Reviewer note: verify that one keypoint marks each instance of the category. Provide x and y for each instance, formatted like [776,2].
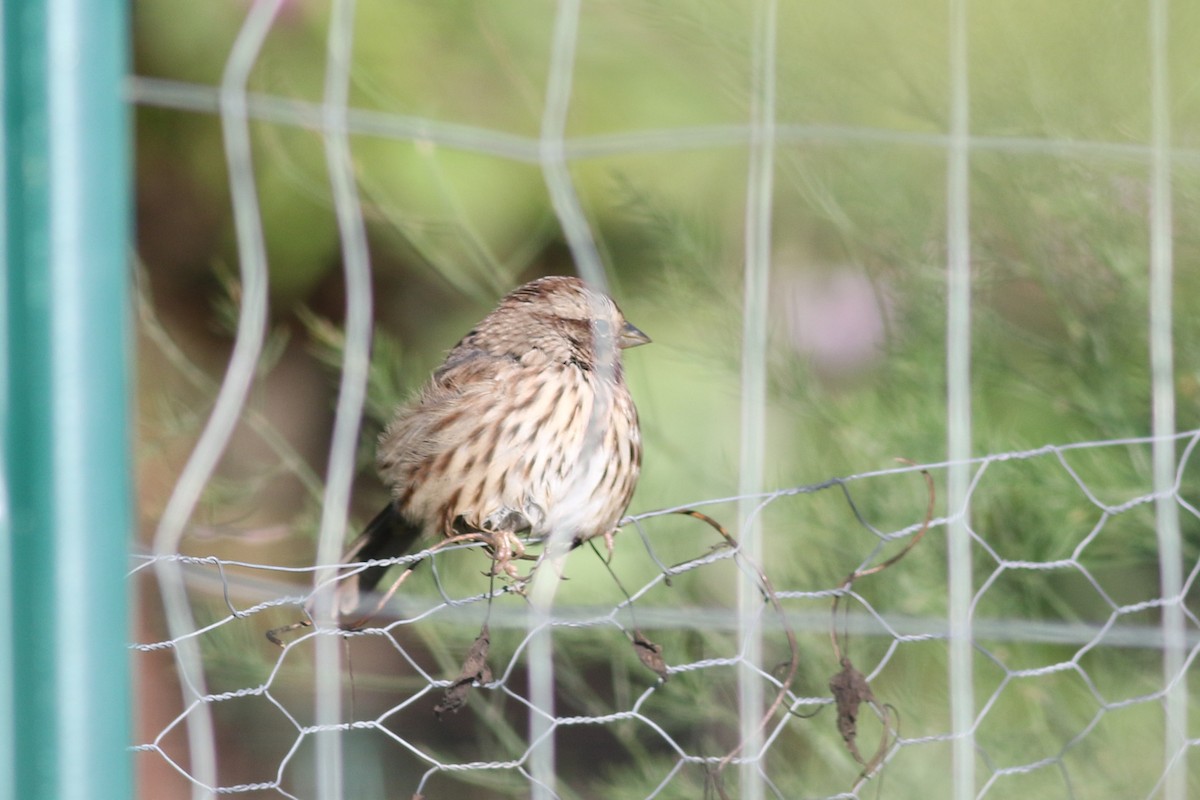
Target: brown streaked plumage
[527,426]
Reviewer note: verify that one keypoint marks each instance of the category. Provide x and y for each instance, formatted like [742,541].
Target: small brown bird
[527,426]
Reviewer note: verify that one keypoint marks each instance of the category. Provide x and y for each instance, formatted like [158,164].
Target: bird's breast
[554,448]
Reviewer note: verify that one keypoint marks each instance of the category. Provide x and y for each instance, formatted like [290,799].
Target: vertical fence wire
[958,407]
[351,393]
[1162,375]
[569,212]
[759,195]
[251,333]
[552,147]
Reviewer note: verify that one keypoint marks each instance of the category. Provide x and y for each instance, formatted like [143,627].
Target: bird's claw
[507,548]
[609,546]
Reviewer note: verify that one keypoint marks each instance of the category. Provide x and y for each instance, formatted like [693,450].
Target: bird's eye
[602,328]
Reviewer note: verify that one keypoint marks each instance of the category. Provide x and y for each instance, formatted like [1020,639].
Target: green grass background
[1059,352]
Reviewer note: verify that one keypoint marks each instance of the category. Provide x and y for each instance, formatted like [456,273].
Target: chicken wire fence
[969,626]
[648,716]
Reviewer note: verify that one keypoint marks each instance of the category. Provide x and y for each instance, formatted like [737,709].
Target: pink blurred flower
[837,318]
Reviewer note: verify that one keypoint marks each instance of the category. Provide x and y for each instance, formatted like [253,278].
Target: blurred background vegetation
[1059,248]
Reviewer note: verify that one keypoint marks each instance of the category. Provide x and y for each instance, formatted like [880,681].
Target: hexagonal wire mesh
[1021,646]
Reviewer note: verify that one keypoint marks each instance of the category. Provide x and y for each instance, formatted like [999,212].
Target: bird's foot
[507,548]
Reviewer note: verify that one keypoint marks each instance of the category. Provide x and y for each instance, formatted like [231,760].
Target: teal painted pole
[65,494]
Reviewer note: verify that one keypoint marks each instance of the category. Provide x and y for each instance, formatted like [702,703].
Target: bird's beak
[631,337]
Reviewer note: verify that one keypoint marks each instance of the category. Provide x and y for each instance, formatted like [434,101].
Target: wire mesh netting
[1056,694]
[867,243]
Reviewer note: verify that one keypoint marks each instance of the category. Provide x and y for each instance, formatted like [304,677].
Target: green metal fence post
[65,494]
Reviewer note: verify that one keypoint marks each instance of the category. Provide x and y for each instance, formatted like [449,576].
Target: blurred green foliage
[1060,254]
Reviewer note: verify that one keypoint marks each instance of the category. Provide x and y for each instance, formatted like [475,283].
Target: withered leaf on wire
[474,669]
[650,654]
[850,689]
[849,686]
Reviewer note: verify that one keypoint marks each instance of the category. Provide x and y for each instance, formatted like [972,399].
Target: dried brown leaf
[650,654]
[850,690]
[474,670]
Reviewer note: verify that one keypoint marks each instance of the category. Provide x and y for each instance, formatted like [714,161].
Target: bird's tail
[388,535]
